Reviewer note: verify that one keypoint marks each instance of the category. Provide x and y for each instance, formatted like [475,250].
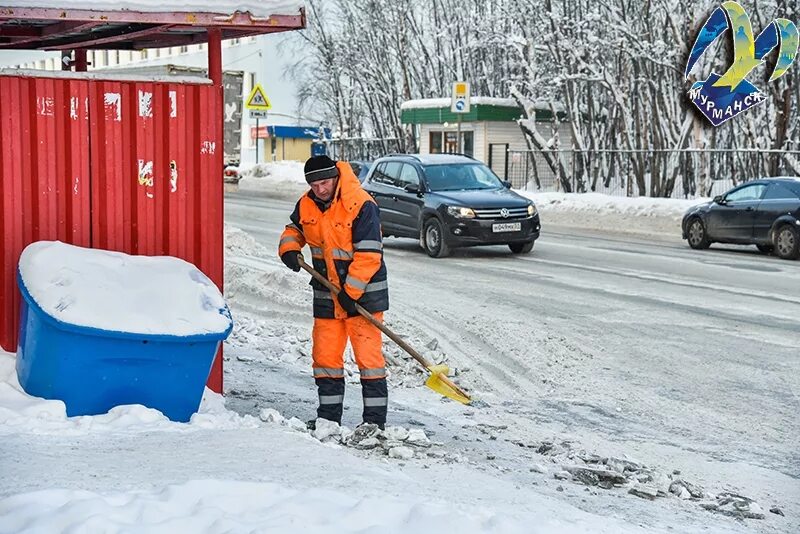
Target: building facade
[488,132]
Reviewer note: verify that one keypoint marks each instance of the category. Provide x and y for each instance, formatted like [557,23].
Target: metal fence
[363,148]
[658,173]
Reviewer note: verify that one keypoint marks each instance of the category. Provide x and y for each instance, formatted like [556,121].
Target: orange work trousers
[330,339]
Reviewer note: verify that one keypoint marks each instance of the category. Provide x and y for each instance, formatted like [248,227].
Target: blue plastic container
[92,370]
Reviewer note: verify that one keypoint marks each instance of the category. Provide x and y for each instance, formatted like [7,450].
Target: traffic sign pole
[459,104]
[258,103]
[458,136]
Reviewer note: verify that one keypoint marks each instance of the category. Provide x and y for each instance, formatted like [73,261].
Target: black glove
[292,260]
[347,303]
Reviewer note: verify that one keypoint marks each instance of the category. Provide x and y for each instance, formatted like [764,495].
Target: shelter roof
[134,25]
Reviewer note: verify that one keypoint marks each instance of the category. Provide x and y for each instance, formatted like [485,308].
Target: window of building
[467,143]
[184,49]
[435,143]
[143,54]
[448,142]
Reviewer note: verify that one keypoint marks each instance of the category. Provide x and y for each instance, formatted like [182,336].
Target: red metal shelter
[118,163]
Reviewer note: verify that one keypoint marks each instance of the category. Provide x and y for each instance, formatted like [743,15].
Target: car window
[794,186]
[778,191]
[380,176]
[460,176]
[749,192]
[392,173]
[408,176]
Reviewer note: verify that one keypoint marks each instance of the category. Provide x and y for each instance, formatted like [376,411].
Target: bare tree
[611,72]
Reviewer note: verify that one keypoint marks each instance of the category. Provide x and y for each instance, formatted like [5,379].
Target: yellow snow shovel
[437,381]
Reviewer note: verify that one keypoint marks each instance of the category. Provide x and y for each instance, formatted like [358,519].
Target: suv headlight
[460,213]
[531,210]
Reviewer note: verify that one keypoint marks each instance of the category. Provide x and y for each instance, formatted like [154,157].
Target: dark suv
[448,200]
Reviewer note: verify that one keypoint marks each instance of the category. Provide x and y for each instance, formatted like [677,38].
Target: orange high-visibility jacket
[346,245]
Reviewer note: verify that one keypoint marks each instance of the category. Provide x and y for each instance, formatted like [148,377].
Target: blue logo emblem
[721,98]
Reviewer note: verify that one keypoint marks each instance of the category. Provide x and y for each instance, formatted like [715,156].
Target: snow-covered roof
[428,103]
[259,8]
[118,292]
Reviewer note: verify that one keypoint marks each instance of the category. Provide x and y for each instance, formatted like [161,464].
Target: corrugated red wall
[117,165]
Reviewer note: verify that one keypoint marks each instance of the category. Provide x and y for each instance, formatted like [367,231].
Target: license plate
[507,227]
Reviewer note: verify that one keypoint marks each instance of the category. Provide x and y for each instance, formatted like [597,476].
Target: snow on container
[101,329]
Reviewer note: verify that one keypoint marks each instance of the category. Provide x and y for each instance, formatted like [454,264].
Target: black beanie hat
[320,168]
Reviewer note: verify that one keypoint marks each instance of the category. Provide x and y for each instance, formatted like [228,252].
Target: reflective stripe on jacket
[346,246]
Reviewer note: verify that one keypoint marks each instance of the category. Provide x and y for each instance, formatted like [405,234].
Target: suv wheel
[435,245]
[696,234]
[521,248]
[787,242]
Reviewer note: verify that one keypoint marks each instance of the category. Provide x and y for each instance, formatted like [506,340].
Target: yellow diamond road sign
[258,99]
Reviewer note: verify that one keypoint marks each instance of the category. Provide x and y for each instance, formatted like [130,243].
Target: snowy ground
[280,179]
[602,365]
[595,349]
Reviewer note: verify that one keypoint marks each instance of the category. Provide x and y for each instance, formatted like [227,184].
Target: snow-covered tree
[612,70]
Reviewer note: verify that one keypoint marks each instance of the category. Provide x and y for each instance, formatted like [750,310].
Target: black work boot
[376,399]
[331,398]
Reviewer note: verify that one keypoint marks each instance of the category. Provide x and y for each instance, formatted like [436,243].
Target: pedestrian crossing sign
[258,99]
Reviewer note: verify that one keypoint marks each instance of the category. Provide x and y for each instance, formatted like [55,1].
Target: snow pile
[642,215]
[280,178]
[263,8]
[19,412]
[598,203]
[230,506]
[240,243]
[256,279]
[118,292]
[395,442]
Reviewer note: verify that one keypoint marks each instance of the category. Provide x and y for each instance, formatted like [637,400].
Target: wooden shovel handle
[379,324]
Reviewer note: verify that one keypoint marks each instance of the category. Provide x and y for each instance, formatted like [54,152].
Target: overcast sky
[15,57]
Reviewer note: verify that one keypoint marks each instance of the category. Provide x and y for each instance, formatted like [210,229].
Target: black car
[360,169]
[448,200]
[764,213]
